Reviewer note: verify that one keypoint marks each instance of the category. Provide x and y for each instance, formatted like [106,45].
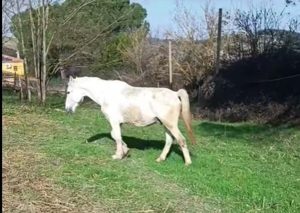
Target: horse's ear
[71,78]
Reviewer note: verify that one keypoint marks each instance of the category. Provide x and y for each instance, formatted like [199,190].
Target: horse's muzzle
[69,110]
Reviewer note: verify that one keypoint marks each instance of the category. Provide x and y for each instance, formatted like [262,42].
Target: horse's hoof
[159,159]
[125,152]
[188,163]
[117,157]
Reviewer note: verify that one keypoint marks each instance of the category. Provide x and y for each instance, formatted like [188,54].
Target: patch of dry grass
[25,188]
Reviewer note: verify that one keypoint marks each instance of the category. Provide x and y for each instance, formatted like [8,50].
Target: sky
[160,13]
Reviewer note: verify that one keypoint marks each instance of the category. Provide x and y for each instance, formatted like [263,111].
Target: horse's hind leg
[181,141]
[169,118]
[122,149]
[169,141]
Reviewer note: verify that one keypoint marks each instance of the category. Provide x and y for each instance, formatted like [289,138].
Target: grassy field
[49,167]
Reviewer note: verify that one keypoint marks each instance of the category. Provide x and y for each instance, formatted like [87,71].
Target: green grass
[241,167]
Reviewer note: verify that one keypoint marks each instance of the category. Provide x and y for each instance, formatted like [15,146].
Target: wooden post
[219,41]
[170,65]
[21,88]
[15,81]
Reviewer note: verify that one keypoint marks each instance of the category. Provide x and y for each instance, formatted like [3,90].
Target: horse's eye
[68,92]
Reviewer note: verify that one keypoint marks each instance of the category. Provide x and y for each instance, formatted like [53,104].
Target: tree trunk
[35,51]
[24,52]
[44,52]
[28,92]
[39,47]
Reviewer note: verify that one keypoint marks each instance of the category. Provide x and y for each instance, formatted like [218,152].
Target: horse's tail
[186,113]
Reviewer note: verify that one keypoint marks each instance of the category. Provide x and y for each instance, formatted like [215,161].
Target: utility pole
[219,41]
[170,65]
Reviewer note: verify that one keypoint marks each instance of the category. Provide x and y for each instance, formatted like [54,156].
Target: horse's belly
[138,116]
[144,122]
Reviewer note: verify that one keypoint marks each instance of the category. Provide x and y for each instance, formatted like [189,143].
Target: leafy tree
[92,36]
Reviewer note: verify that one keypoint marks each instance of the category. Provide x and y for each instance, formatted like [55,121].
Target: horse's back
[145,95]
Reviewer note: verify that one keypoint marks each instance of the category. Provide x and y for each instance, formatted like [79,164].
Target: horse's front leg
[122,149]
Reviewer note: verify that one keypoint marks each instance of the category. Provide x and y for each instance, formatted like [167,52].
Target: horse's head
[75,95]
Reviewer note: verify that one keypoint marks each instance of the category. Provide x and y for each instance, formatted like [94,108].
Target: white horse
[122,103]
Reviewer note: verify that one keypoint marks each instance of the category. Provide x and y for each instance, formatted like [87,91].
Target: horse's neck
[102,90]
[95,90]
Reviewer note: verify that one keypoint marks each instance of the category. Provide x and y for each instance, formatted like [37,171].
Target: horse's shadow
[137,143]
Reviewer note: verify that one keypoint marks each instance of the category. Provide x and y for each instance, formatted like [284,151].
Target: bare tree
[195,42]
[35,35]
[42,38]
[134,52]
[262,29]
[42,41]
[13,8]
